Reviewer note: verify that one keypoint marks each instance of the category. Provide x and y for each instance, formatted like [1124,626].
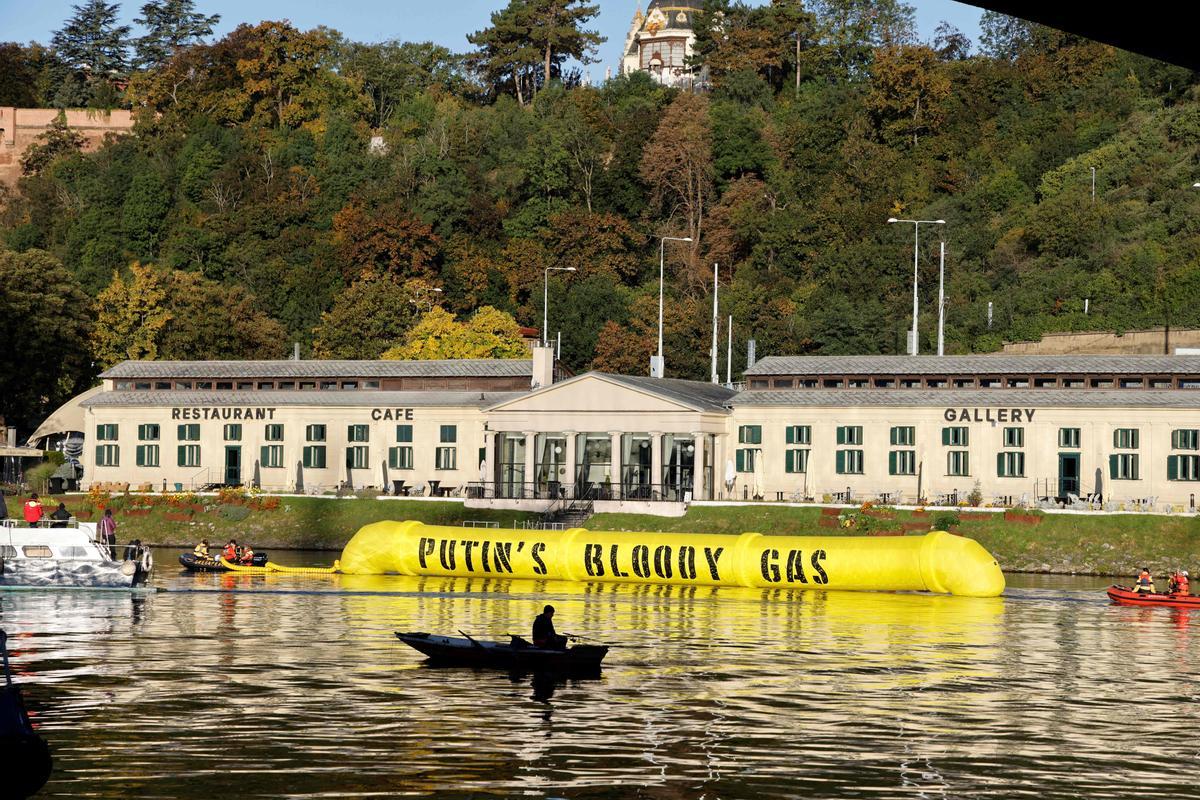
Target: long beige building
[520,434]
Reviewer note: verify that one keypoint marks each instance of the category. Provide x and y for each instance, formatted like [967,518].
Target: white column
[489,456]
[656,471]
[615,478]
[698,492]
[569,479]
[530,441]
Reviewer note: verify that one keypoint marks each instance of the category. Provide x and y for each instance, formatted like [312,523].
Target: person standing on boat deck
[543,631]
[33,510]
[60,516]
[106,529]
[1145,583]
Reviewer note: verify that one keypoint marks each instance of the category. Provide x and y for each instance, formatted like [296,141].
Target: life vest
[1181,585]
[229,553]
[201,550]
[247,556]
[1144,582]
[33,511]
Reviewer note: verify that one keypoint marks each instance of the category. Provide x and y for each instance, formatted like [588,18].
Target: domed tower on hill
[660,41]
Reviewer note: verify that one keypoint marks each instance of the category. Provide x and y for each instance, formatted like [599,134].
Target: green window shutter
[790,438]
[1175,438]
[841,461]
[892,457]
[1172,468]
[1135,467]
[1112,466]
[1134,434]
[741,460]
[946,437]
[99,454]
[1000,465]
[841,438]
[1117,438]
[756,433]
[182,455]
[789,460]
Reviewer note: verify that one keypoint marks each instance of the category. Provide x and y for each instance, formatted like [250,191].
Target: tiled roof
[975,365]
[701,395]
[461,368]
[357,399]
[964,398]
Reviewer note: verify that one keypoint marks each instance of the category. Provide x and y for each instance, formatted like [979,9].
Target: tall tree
[17,76]
[393,72]
[370,316]
[385,239]
[556,27]
[506,52]
[908,89]
[171,25]
[131,315]
[489,333]
[44,323]
[95,49]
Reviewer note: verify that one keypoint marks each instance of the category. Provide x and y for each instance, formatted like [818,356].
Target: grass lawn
[1117,544]
[299,522]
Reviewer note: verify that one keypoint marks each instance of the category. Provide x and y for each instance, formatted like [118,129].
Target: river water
[230,686]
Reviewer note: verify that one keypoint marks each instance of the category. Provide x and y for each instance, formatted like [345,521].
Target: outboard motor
[132,550]
[25,762]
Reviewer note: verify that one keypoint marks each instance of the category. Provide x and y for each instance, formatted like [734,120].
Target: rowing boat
[517,655]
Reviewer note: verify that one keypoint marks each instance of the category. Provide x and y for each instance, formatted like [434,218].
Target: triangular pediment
[594,392]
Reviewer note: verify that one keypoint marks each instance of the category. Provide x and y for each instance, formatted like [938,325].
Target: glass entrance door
[233,465]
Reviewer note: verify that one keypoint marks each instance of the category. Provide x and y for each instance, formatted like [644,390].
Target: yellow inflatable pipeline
[935,562]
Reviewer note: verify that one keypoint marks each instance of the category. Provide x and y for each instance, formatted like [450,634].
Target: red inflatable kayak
[1128,597]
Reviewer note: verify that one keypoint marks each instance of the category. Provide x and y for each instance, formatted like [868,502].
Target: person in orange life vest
[33,510]
[1145,583]
[247,555]
[230,551]
[1179,583]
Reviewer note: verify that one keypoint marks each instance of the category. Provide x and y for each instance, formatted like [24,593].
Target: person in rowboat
[201,550]
[1144,583]
[544,635]
[247,555]
[1178,584]
[230,551]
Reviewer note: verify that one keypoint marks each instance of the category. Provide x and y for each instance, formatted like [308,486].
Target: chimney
[295,351]
[543,366]
[751,348]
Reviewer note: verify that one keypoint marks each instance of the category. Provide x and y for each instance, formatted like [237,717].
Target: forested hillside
[259,213]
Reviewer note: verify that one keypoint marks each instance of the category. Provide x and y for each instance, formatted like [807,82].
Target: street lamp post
[657,365]
[546,301]
[913,347]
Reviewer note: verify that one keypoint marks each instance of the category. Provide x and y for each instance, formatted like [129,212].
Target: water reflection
[269,686]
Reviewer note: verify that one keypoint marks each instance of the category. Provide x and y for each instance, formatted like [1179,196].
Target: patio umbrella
[730,475]
[383,471]
[1099,482]
[758,474]
[256,481]
[299,477]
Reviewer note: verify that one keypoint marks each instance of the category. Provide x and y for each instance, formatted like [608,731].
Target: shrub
[975,498]
[945,520]
[235,513]
[38,477]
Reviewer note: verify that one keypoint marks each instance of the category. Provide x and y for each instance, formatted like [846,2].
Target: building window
[1069,437]
[958,463]
[147,455]
[271,456]
[233,432]
[1014,437]
[1183,468]
[849,434]
[148,433]
[188,433]
[750,434]
[204,385]
[274,433]
[358,433]
[370,384]
[904,436]
[357,457]
[328,385]
[850,462]
[314,456]
[349,384]
[306,386]
[400,457]
[107,433]
[795,461]
[185,385]
[224,386]
[448,435]
[1185,439]
[189,455]
[1123,466]
[266,386]
[799,434]
[245,386]
[314,433]
[1125,438]
[142,386]
[1010,465]
[902,462]
[744,459]
[404,433]
[956,437]
[108,455]
[446,458]
[287,386]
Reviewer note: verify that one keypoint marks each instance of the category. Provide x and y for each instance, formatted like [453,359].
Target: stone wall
[1144,342]
[20,127]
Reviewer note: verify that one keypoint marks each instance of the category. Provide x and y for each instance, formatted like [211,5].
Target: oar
[469,639]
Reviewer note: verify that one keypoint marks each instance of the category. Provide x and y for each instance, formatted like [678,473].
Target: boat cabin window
[7,551]
[73,551]
[37,551]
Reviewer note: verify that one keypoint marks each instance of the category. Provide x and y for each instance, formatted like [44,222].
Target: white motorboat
[68,556]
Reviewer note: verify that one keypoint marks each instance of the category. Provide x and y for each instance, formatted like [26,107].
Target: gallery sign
[989,414]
